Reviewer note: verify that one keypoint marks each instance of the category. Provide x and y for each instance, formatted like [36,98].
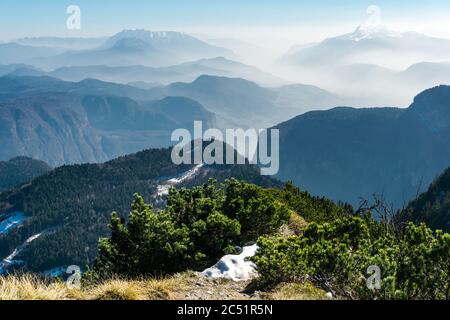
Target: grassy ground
[187,285]
[29,287]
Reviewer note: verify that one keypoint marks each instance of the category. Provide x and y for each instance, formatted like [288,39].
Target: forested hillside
[19,170]
[349,153]
[70,207]
[432,206]
[63,122]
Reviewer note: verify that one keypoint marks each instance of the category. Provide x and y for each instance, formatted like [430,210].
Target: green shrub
[317,209]
[257,210]
[336,256]
[198,226]
[150,243]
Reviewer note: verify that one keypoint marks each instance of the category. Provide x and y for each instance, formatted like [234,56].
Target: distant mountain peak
[131,44]
[441,92]
[209,80]
[159,48]
[145,36]
[363,32]
[433,108]
[148,34]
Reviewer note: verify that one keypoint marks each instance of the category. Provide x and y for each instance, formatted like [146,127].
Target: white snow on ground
[9,260]
[234,267]
[163,189]
[16,251]
[14,220]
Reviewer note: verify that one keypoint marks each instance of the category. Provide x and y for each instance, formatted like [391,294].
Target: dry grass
[295,225]
[117,290]
[29,287]
[180,286]
[296,291]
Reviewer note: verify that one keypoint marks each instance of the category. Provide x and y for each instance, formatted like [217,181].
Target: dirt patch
[198,287]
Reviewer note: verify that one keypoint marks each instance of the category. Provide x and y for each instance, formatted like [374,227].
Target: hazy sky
[258,20]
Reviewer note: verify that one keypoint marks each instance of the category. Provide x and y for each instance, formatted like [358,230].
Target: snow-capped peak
[146,36]
[370,32]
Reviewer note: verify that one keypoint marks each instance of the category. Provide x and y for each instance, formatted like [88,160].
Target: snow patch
[234,267]
[163,189]
[371,32]
[10,260]
[14,220]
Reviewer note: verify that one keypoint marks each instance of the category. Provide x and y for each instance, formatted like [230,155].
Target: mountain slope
[93,121]
[371,45]
[64,43]
[347,153]
[370,61]
[12,68]
[48,127]
[19,170]
[14,53]
[368,80]
[184,72]
[139,47]
[18,86]
[242,103]
[433,206]
[90,121]
[230,98]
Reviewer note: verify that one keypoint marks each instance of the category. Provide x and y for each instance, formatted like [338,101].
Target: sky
[285,21]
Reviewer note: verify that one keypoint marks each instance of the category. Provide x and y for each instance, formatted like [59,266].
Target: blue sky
[311,19]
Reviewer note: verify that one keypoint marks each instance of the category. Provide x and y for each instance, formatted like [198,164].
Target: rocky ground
[199,287]
[196,286]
